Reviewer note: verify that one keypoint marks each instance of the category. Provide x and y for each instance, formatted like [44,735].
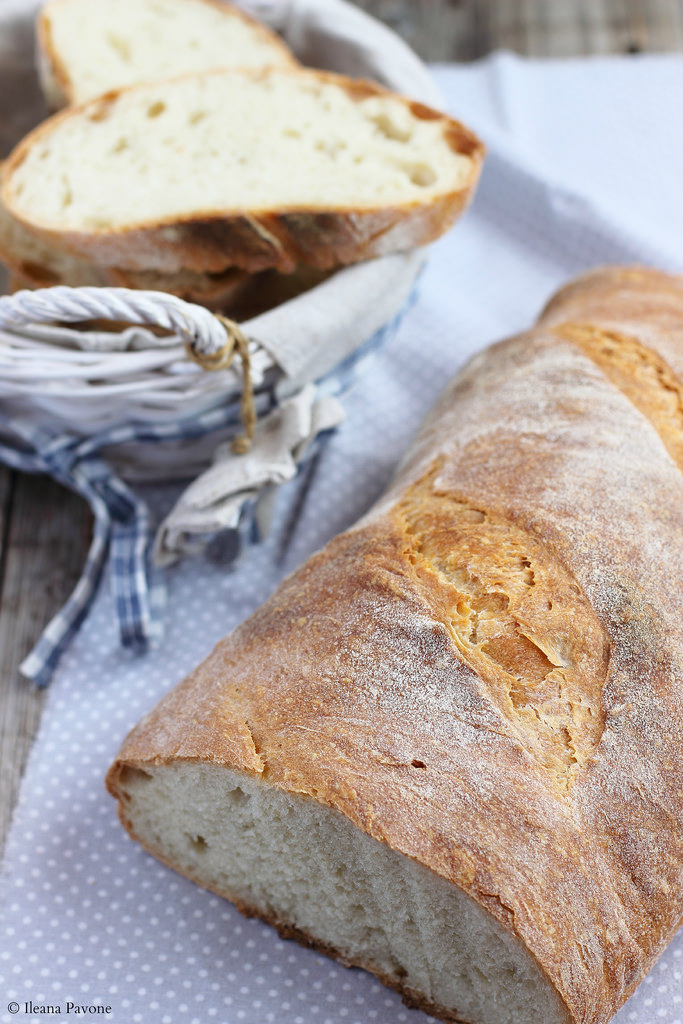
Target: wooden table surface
[45,530]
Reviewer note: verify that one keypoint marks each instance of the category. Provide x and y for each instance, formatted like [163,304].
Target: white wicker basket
[83,382]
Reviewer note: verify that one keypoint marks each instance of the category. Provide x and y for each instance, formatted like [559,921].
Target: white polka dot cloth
[88,918]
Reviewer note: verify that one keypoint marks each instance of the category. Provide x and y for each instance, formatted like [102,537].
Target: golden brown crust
[278,239]
[363,683]
[56,81]
[322,240]
[215,291]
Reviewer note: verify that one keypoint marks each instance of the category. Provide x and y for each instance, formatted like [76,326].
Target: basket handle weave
[197,327]
[211,341]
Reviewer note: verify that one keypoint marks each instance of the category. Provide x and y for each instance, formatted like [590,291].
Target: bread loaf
[467,710]
[254,170]
[87,47]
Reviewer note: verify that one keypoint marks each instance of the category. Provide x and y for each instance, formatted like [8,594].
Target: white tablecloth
[585,167]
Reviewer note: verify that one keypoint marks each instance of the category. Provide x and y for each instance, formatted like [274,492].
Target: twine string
[236,344]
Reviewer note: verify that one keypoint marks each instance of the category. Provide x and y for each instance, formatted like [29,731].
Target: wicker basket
[84,382]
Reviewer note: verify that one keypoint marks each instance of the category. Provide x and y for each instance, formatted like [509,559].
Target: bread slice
[252,169]
[34,263]
[449,748]
[87,47]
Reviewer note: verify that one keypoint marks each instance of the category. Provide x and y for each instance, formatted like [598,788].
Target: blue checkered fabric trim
[121,531]
[121,528]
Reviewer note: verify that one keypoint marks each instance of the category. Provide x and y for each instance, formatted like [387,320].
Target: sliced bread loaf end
[88,47]
[253,169]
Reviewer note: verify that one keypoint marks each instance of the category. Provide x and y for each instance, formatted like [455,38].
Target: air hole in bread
[198,843]
[331,148]
[389,129]
[155,109]
[237,796]
[417,763]
[67,194]
[99,113]
[421,174]
[120,45]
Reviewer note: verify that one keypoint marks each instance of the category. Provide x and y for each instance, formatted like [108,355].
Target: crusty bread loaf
[87,47]
[467,710]
[252,169]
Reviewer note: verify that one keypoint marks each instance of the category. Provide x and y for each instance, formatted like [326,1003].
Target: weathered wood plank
[6,482]
[445,30]
[46,531]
